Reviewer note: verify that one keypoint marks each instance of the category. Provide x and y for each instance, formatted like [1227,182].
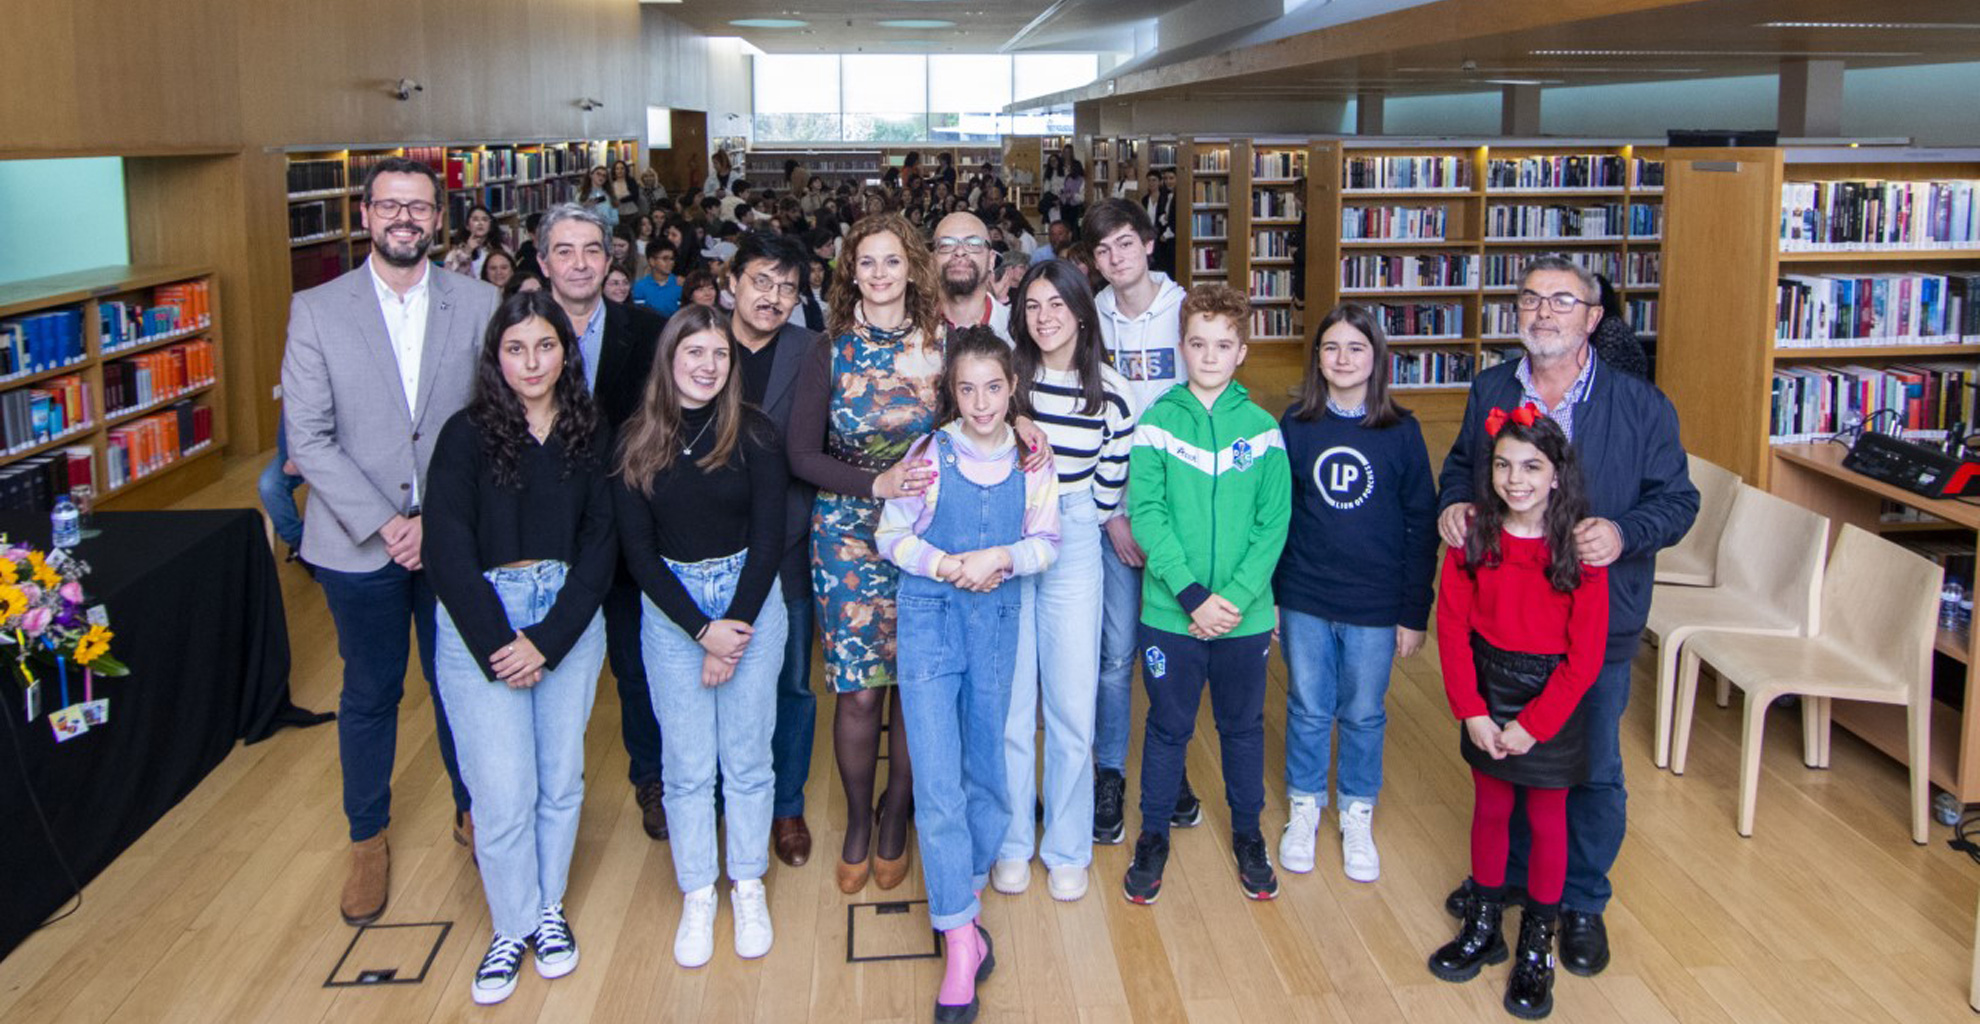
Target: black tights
[856,741]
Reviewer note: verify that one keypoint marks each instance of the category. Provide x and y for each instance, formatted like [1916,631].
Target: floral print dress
[883,399]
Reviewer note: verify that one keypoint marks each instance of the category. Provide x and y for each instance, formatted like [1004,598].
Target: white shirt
[405,324]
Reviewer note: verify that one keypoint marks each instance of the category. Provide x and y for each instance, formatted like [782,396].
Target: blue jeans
[797,709]
[522,751]
[638,729]
[729,726]
[1339,676]
[1114,710]
[1058,654]
[371,611]
[1176,668]
[957,653]
[1598,809]
[278,491]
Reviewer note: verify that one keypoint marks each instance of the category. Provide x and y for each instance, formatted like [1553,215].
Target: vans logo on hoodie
[1149,364]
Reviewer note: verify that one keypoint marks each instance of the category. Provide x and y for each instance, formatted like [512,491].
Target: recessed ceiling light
[768,23]
[1723,53]
[1902,26]
[1522,81]
[916,23]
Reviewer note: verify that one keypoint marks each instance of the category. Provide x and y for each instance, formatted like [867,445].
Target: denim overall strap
[970,516]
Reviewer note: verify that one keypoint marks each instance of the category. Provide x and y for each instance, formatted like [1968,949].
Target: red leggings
[1491,816]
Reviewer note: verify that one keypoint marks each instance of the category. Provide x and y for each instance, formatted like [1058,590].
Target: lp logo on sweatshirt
[1343,477]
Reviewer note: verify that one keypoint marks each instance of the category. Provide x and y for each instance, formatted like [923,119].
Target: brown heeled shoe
[889,873]
[852,877]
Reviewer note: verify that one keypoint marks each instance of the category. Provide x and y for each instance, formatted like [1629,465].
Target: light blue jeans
[521,751]
[1114,708]
[1338,678]
[1058,646]
[704,726]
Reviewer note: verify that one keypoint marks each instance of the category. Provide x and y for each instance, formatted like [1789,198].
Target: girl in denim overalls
[981,522]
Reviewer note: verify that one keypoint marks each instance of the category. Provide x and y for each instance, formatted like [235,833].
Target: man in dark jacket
[1641,500]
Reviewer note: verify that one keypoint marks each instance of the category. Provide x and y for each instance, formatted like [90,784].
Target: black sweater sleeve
[811,408]
[1419,504]
[767,490]
[447,543]
[594,556]
[639,541]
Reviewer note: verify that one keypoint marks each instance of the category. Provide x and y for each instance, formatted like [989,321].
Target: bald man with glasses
[964,259]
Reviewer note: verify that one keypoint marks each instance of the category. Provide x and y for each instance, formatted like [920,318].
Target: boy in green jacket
[1209,499]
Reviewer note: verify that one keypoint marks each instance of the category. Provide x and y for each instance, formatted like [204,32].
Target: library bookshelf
[512,179]
[765,164]
[136,458]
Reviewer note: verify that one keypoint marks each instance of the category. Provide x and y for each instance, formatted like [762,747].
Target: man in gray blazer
[764,279]
[376,362]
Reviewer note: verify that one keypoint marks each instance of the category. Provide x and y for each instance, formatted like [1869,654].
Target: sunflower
[93,644]
[12,602]
[47,578]
[10,572]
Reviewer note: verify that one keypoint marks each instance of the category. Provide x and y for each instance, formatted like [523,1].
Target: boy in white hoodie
[1140,325]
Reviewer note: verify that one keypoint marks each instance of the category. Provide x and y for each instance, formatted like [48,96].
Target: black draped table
[197,610]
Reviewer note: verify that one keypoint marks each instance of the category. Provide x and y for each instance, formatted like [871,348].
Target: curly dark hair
[1567,506]
[496,412]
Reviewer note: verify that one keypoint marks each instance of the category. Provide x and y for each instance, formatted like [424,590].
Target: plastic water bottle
[65,523]
[1946,808]
[1949,598]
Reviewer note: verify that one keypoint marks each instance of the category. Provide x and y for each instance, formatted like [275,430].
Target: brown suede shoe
[792,840]
[652,812]
[464,829]
[369,883]
[890,873]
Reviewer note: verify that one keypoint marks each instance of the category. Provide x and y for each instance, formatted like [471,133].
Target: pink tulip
[36,620]
[72,592]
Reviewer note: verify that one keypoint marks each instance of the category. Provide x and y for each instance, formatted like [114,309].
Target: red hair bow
[1526,415]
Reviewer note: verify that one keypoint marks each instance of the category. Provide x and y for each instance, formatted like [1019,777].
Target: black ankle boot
[1530,989]
[1480,939]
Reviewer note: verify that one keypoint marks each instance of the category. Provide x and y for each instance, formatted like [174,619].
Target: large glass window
[797,98]
[967,94]
[886,97]
[858,97]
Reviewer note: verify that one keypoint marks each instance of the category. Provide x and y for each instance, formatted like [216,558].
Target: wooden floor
[226,910]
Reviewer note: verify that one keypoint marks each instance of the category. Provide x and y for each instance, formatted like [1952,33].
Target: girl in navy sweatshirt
[1354,583]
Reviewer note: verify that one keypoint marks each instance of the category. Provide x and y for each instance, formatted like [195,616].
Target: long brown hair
[923,310]
[1381,405]
[1567,506]
[654,433]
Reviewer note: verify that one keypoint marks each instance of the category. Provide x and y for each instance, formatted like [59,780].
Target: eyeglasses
[1559,302]
[948,244]
[766,283]
[389,208]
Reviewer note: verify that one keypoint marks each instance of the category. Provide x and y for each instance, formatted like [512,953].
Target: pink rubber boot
[970,962]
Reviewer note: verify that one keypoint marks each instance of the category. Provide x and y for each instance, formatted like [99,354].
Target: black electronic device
[1722,137]
[1917,468]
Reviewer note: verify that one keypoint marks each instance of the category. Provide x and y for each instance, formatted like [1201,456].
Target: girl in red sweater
[1521,625]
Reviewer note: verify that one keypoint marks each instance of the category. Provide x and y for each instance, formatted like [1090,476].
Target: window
[858,97]
[966,97]
[797,97]
[885,97]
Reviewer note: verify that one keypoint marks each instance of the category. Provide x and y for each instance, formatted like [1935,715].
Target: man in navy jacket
[1641,499]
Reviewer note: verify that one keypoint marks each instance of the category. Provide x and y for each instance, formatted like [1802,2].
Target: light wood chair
[1694,560]
[1879,649]
[1769,572]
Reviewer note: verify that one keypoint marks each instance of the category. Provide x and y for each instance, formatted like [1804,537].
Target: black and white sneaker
[496,978]
[1143,883]
[1189,810]
[1254,866]
[1109,790]
[556,947]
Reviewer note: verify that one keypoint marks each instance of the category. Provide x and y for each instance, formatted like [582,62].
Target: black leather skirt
[1508,680]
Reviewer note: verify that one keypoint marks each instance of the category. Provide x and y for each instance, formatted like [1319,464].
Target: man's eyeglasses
[1559,302]
[948,244]
[766,283]
[389,208]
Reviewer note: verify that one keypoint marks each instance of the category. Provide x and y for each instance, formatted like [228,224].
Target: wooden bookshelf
[1719,347]
[85,292]
[1211,229]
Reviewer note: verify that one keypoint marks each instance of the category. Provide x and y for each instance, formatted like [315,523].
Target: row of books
[1578,170]
[1498,318]
[1504,269]
[1649,173]
[1397,223]
[35,415]
[1848,216]
[40,341]
[156,376]
[499,198]
[1428,270]
[1419,319]
[1598,221]
[173,308]
[1272,244]
[315,175]
[1214,161]
[1810,403]
[1823,310]
[1161,154]
[144,446]
[1204,259]
[1271,284]
[362,163]
[1208,225]
[1273,322]
[1396,173]
[1646,269]
[1279,163]
[1642,315]
[1216,191]
[33,483]
[537,198]
[1276,204]
[308,220]
[1430,367]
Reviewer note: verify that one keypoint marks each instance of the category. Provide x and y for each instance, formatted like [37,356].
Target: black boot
[1454,903]
[1584,943]
[1480,939]
[1530,989]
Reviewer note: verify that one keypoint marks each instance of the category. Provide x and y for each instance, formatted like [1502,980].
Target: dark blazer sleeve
[594,556]
[1667,501]
[768,488]
[1419,506]
[632,336]
[447,543]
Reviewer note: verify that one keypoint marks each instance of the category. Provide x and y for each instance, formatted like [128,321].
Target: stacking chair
[1881,651]
[1694,560]
[1768,572]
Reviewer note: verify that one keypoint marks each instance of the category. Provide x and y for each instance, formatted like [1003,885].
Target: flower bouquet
[42,615]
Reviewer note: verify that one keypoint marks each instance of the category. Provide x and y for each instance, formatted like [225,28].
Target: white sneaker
[1067,882]
[1011,877]
[1358,854]
[694,940]
[751,905]
[1296,843]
